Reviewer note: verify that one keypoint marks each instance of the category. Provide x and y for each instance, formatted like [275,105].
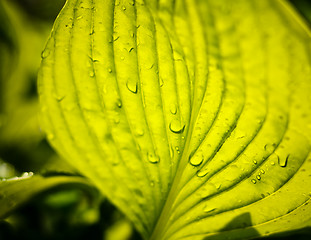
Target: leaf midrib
[164,214]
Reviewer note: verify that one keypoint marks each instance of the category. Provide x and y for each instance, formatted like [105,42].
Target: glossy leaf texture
[191,116]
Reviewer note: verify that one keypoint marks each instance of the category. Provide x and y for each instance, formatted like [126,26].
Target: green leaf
[191,116]
[18,190]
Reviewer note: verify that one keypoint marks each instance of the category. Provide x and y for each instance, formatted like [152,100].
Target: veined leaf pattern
[186,114]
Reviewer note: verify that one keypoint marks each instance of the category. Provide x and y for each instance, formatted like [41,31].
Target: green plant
[191,116]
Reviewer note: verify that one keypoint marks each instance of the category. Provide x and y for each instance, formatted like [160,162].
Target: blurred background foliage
[67,212]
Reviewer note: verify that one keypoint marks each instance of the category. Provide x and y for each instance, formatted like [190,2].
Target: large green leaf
[192,116]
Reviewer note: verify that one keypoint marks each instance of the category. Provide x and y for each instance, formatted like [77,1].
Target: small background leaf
[18,190]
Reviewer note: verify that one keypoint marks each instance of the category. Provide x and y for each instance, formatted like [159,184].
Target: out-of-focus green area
[304,7]
[63,213]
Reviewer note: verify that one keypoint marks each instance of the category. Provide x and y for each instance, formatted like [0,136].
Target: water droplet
[262,171]
[258,177]
[119,103]
[91,73]
[254,181]
[59,98]
[176,126]
[153,158]
[208,209]
[150,67]
[161,81]
[115,38]
[202,172]
[26,175]
[177,150]
[122,58]
[132,2]
[255,162]
[45,53]
[139,132]
[123,8]
[109,70]
[197,158]
[132,34]
[269,148]
[173,109]
[283,161]
[138,147]
[132,85]
[272,163]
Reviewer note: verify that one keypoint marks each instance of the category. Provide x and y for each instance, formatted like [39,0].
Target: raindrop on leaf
[139,132]
[132,86]
[283,161]
[197,158]
[161,81]
[269,148]
[173,109]
[152,158]
[45,53]
[208,209]
[91,73]
[119,103]
[176,126]
[202,172]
